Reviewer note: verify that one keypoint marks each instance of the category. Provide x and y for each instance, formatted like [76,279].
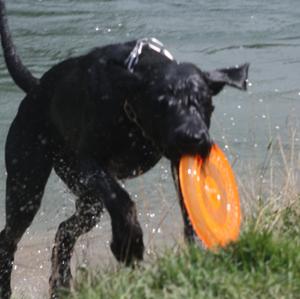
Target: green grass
[264,263]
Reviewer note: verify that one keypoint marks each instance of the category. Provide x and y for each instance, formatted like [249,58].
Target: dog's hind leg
[28,167]
[87,215]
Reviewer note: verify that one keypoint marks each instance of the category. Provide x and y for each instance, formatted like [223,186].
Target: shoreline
[31,270]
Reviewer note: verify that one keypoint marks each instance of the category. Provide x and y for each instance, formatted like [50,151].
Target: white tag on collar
[153,43]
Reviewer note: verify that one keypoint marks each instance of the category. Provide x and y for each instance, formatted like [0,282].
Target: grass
[261,265]
[264,263]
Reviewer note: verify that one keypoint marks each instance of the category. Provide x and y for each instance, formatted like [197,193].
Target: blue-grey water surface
[211,34]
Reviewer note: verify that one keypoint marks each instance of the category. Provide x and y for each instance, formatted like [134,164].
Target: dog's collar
[153,43]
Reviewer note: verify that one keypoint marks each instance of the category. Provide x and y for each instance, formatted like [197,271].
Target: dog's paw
[127,244]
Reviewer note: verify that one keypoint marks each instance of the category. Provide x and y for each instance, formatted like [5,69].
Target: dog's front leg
[127,237]
[87,215]
[188,231]
[95,187]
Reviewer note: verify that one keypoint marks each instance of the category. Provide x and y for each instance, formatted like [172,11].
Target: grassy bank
[263,264]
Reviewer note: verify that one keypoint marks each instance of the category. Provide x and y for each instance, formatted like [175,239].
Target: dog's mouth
[175,151]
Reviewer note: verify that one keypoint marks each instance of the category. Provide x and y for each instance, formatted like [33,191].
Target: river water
[211,34]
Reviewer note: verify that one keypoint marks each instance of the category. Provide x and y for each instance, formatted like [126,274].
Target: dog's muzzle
[185,142]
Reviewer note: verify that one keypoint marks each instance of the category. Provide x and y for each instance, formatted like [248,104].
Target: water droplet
[165,175]
[152,215]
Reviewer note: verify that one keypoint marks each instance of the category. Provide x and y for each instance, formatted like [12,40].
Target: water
[211,34]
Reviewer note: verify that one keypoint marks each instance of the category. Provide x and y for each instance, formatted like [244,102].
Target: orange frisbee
[210,196]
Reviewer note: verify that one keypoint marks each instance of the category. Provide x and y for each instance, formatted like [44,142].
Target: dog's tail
[20,74]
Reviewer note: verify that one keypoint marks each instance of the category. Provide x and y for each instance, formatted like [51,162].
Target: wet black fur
[94,122]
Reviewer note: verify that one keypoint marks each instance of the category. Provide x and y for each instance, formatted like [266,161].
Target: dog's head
[174,107]
[173,104]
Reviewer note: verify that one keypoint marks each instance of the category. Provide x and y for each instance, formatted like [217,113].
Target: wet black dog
[108,115]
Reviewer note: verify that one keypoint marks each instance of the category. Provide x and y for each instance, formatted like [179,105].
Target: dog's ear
[233,76]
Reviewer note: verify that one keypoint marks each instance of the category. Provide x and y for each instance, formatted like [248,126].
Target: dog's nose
[205,147]
[199,142]
[184,141]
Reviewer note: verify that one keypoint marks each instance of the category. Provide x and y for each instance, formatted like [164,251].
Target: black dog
[108,115]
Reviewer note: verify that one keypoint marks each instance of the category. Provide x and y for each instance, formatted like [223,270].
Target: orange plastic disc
[210,196]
